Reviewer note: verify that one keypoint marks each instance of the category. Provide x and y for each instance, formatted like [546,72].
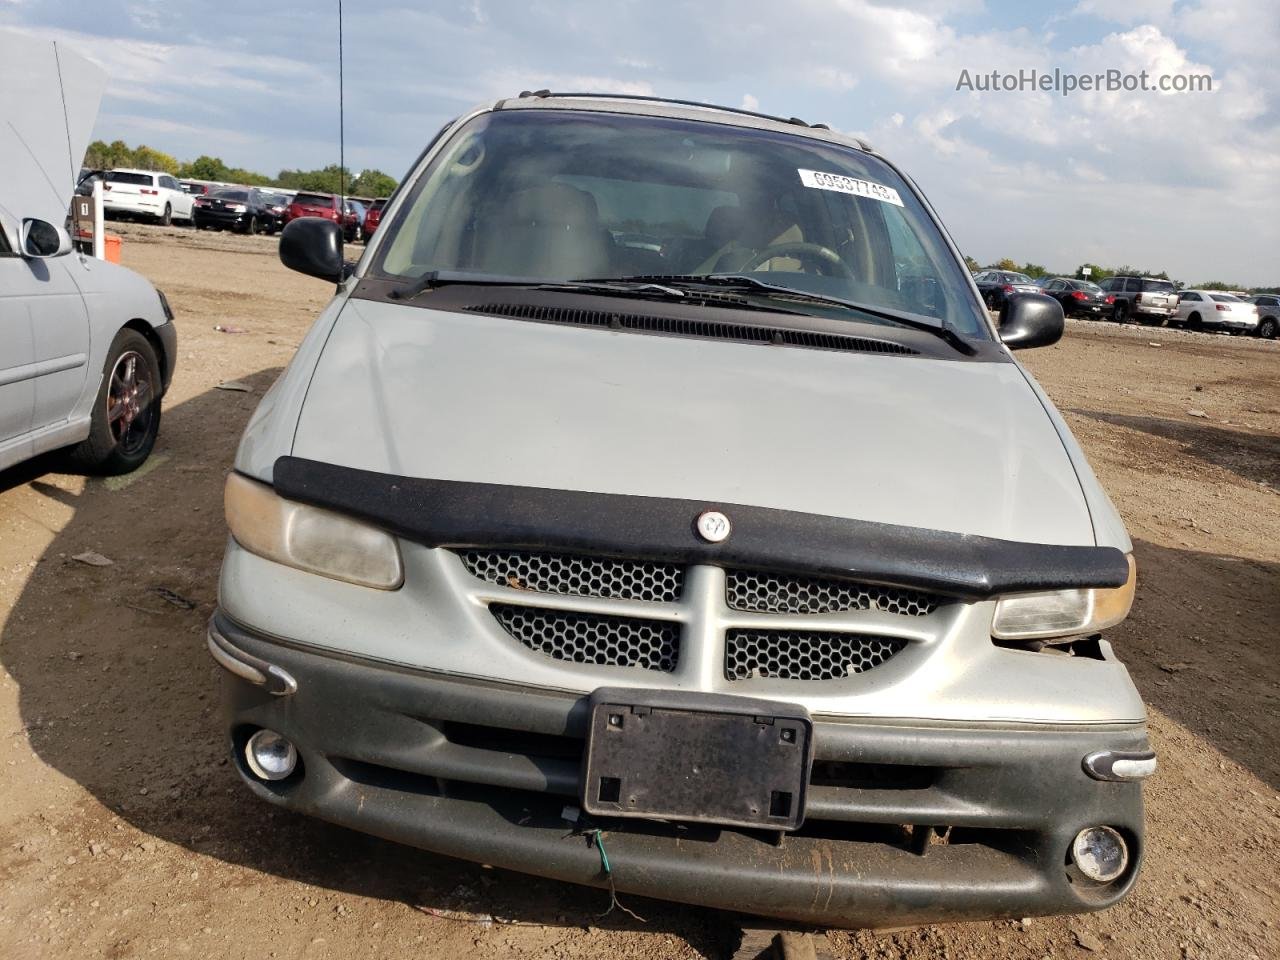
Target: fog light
[271,757]
[1100,853]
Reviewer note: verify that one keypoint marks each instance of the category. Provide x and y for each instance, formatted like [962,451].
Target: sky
[1184,182]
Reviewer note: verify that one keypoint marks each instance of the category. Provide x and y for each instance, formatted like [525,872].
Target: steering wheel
[824,258]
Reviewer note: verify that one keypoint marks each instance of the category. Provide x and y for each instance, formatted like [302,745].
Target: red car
[324,205]
[373,218]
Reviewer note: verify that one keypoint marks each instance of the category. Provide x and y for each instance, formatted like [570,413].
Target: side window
[1108,284]
[1053,285]
[1132,285]
[4,244]
[1190,296]
[980,277]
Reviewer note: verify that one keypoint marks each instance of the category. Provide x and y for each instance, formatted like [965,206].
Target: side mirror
[1031,320]
[313,245]
[41,240]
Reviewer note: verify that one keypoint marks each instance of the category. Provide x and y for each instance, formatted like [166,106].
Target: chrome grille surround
[687,621]
[784,593]
[579,576]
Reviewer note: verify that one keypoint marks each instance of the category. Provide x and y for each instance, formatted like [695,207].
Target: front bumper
[224,219]
[484,772]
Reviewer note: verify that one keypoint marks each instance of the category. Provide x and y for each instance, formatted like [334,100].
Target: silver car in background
[657,483]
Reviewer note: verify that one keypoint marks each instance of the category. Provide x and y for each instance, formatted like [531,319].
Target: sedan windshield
[554,196]
[239,195]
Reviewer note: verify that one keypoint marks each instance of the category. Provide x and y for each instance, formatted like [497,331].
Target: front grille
[780,593]
[577,576]
[803,654]
[592,638]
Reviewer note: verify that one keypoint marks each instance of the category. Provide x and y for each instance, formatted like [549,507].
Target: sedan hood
[937,444]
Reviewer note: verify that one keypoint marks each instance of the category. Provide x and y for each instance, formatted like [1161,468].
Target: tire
[166,218]
[1193,322]
[251,228]
[1120,312]
[131,378]
[1267,328]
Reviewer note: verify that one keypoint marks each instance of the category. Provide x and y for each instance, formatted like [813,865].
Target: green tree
[372,183]
[145,158]
[1032,270]
[205,167]
[972,264]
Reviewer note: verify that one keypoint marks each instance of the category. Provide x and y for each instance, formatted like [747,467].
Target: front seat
[737,234]
[552,230]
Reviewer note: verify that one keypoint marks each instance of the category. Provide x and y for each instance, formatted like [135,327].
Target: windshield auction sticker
[842,184]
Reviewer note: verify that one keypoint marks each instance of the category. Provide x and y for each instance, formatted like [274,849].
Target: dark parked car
[373,218]
[1079,297]
[353,214]
[233,208]
[1268,305]
[996,285]
[277,204]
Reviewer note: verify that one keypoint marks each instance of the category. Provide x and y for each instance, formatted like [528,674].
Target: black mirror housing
[313,245]
[1031,320]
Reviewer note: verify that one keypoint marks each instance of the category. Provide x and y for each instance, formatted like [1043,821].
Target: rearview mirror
[1031,320]
[313,245]
[41,240]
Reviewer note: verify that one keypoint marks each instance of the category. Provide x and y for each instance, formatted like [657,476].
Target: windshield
[557,195]
[314,199]
[1224,298]
[1086,286]
[1158,286]
[241,195]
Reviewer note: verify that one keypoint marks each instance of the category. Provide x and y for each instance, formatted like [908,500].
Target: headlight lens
[309,538]
[1063,613]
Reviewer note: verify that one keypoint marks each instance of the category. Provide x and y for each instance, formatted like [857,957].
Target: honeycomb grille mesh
[592,638]
[803,654]
[780,593]
[577,576]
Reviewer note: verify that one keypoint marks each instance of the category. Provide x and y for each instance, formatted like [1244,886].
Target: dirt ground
[124,832]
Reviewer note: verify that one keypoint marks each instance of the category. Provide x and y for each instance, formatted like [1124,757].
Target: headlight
[1063,613]
[309,538]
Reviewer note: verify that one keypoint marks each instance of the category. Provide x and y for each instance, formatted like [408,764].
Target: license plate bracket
[700,758]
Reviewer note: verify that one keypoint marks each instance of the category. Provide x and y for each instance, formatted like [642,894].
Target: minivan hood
[937,444]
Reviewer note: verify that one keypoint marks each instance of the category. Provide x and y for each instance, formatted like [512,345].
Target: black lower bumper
[904,824]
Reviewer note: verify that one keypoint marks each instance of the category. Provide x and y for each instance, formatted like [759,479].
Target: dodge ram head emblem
[714,526]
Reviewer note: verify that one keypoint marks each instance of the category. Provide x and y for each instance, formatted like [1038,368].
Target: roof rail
[543,94]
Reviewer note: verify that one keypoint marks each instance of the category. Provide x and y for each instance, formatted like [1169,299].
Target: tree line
[1098,273]
[368,183]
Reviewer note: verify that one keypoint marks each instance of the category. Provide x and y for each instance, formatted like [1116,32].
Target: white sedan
[146,193]
[1213,308]
[88,349]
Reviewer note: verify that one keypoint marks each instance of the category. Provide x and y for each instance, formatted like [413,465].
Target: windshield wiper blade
[738,281]
[444,278]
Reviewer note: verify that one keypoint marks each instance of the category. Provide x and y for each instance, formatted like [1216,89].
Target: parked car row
[1147,299]
[161,198]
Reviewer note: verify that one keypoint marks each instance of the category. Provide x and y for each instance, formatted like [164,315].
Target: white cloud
[749,102]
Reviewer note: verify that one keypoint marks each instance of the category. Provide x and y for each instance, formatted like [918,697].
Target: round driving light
[1100,853]
[270,756]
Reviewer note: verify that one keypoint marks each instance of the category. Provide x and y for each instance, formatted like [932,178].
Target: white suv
[145,193]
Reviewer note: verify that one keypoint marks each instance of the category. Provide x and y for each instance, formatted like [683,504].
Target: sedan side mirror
[1031,320]
[41,240]
[313,245]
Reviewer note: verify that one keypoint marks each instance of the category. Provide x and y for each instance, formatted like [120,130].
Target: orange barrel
[111,248]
